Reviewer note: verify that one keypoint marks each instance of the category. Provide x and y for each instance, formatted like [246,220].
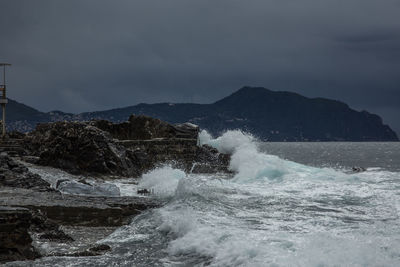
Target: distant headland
[269,115]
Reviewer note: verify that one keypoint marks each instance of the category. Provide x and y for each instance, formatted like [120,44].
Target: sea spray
[162,180]
[229,142]
[273,212]
[251,165]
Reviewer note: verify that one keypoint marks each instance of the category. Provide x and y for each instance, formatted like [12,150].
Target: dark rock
[100,248]
[31,159]
[146,128]
[143,191]
[15,135]
[126,149]
[179,153]
[60,182]
[14,174]
[186,130]
[358,169]
[79,147]
[16,243]
[47,229]
[24,211]
[209,160]
[78,210]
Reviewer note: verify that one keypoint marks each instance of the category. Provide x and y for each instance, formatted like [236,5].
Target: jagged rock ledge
[30,206]
[16,243]
[126,149]
[78,210]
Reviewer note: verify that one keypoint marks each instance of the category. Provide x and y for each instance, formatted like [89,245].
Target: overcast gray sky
[81,55]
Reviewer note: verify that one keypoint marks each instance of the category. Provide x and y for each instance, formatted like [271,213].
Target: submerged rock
[77,188]
[358,169]
[209,160]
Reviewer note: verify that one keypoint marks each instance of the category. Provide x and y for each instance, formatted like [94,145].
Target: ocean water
[289,204]
[339,155]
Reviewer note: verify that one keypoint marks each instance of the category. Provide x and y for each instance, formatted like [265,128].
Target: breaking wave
[272,212]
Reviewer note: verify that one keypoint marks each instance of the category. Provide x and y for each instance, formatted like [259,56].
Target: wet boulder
[79,147]
[210,160]
[77,188]
[356,169]
[16,243]
[15,174]
[125,149]
[145,128]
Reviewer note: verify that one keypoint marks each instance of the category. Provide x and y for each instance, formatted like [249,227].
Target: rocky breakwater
[80,147]
[17,222]
[15,241]
[15,175]
[32,212]
[124,149]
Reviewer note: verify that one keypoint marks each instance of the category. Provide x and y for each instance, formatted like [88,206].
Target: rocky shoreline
[33,211]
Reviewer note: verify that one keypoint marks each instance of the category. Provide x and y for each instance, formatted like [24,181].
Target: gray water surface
[338,155]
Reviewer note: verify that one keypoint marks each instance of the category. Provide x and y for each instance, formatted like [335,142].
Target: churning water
[273,212]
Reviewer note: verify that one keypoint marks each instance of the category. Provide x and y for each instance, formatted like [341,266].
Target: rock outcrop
[32,209]
[125,149]
[15,174]
[16,243]
[209,160]
[77,210]
[25,213]
[146,128]
[79,147]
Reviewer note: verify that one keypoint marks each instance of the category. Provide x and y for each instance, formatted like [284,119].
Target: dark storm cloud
[372,38]
[88,55]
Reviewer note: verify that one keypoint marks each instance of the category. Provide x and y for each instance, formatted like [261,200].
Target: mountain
[269,115]
[23,118]
[19,112]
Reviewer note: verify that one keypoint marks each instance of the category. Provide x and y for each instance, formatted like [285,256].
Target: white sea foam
[229,142]
[251,165]
[71,184]
[277,212]
[273,212]
[163,180]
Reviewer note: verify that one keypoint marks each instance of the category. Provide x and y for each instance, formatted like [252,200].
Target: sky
[87,55]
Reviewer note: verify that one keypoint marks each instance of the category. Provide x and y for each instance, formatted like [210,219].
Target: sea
[287,204]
